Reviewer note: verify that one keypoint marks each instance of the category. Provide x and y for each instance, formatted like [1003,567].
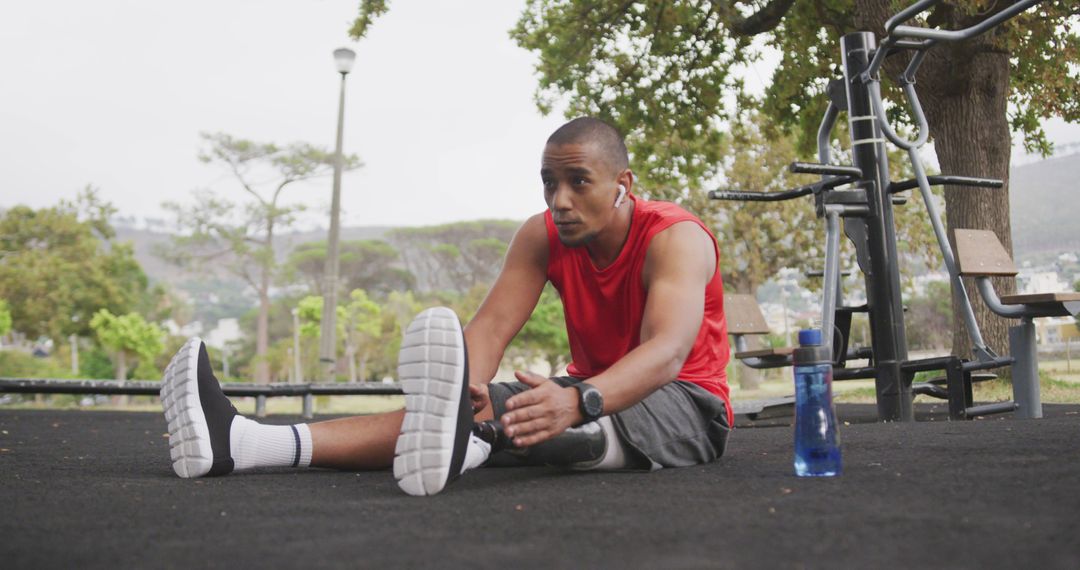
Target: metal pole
[883,293]
[74,340]
[1025,371]
[328,329]
[298,373]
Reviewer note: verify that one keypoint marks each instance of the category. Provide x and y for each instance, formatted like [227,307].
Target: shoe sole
[189,435]
[431,367]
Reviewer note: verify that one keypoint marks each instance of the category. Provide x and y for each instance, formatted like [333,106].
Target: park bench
[981,255]
[744,321]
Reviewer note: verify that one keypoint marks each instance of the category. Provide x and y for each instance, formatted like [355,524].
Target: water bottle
[817,444]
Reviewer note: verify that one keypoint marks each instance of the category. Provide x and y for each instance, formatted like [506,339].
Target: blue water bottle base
[818,463]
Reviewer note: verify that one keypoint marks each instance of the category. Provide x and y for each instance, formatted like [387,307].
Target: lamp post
[298,376]
[327,342]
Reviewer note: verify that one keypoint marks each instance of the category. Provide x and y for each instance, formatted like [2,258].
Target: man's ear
[626,179]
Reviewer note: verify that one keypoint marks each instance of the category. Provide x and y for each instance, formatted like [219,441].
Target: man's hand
[541,413]
[478,394]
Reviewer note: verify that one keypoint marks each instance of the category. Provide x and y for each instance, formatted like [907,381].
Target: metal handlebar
[947,180]
[909,13]
[782,195]
[956,35]
[825,169]
[761,196]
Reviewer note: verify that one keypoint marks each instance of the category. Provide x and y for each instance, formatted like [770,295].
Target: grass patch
[1052,391]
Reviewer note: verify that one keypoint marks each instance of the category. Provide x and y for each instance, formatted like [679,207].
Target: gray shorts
[680,424]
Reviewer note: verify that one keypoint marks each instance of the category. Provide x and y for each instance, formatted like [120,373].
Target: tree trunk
[121,365]
[262,333]
[121,375]
[350,355]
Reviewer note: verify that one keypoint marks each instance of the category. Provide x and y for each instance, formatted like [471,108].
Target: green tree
[240,237]
[668,74]
[362,320]
[5,318]
[59,265]
[360,325]
[372,265]
[128,337]
[928,317]
[543,335]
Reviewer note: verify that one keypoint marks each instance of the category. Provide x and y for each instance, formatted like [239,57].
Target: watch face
[593,402]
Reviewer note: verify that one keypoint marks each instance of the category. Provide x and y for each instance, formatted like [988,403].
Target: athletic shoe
[199,414]
[435,434]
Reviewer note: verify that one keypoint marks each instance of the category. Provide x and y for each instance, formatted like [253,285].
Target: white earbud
[622,194]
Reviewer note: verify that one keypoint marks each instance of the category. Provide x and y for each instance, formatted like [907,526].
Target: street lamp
[344,58]
[298,376]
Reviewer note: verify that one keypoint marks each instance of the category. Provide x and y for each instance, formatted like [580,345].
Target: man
[643,300]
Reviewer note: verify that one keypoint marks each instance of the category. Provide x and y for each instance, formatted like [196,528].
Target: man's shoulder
[531,240]
[660,211]
[660,217]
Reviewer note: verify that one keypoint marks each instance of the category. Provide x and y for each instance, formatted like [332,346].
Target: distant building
[226,331]
[1054,332]
[1040,282]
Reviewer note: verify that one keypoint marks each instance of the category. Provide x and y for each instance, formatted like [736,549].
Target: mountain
[1044,204]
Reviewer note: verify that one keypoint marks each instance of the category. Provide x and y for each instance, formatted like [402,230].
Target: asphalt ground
[95,490]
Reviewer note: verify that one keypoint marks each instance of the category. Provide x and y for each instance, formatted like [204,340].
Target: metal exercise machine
[862,195]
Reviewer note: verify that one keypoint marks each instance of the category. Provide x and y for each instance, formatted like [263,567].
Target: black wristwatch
[592,401]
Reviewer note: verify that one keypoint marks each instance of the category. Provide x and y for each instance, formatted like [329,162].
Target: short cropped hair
[583,130]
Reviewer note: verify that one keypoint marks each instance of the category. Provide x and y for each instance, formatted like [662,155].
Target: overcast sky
[115,93]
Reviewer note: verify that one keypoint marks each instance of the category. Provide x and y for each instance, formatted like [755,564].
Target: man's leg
[357,443]
[208,437]
[591,446]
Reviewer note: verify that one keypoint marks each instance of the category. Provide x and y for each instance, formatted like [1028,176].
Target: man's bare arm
[509,302]
[679,264]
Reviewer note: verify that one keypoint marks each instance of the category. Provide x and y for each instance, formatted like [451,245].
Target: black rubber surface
[95,490]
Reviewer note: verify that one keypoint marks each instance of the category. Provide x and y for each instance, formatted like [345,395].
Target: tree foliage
[127,336]
[59,265]
[928,317]
[372,265]
[669,73]
[5,318]
[364,327]
[544,335]
[369,11]
[218,233]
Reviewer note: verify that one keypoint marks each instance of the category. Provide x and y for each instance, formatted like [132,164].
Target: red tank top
[604,307]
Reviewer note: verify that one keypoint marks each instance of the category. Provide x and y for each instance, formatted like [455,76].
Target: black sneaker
[433,370]
[198,413]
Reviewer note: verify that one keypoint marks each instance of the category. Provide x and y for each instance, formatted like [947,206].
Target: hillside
[1045,210]
[1044,221]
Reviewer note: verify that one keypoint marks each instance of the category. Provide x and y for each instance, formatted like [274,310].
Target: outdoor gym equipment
[981,255]
[866,209]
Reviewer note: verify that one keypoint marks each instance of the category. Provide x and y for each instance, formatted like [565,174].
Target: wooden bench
[980,254]
[744,318]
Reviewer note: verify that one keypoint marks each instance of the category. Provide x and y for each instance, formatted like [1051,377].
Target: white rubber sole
[189,436]
[431,368]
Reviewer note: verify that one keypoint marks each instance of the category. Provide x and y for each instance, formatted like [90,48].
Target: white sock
[258,445]
[476,454]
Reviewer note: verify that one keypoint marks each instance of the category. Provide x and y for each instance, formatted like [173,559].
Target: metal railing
[152,388]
